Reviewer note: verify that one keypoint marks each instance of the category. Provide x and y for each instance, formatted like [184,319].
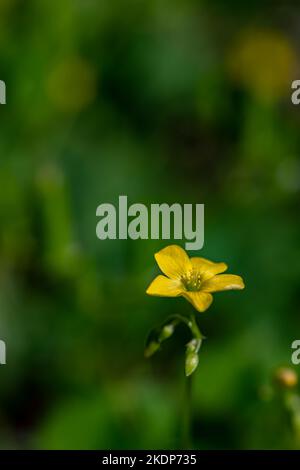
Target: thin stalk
[187,408]
[194,327]
[187,414]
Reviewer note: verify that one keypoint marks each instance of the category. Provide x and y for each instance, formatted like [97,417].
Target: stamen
[192,281]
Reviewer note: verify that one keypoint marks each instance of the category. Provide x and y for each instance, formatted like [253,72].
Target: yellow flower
[193,278]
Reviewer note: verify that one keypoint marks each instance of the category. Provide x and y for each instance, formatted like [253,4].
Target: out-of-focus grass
[151,101]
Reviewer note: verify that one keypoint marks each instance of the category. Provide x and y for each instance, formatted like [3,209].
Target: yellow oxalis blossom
[193,278]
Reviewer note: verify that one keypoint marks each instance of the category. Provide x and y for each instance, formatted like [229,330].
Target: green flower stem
[192,354]
[156,337]
[195,328]
[292,404]
[187,414]
[192,324]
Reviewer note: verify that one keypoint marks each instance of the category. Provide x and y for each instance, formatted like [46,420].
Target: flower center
[192,281]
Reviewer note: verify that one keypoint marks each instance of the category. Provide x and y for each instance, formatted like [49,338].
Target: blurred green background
[163,101]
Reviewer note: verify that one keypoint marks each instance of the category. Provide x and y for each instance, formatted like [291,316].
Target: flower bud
[191,363]
[286,377]
[166,332]
[151,348]
[193,345]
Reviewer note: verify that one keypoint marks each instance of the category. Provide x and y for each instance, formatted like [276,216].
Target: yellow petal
[173,261]
[200,300]
[207,268]
[165,287]
[223,282]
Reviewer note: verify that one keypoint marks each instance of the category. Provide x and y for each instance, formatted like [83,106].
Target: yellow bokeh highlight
[264,62]
[71,86]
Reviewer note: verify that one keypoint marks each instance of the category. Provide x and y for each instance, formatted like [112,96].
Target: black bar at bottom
[136,458]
